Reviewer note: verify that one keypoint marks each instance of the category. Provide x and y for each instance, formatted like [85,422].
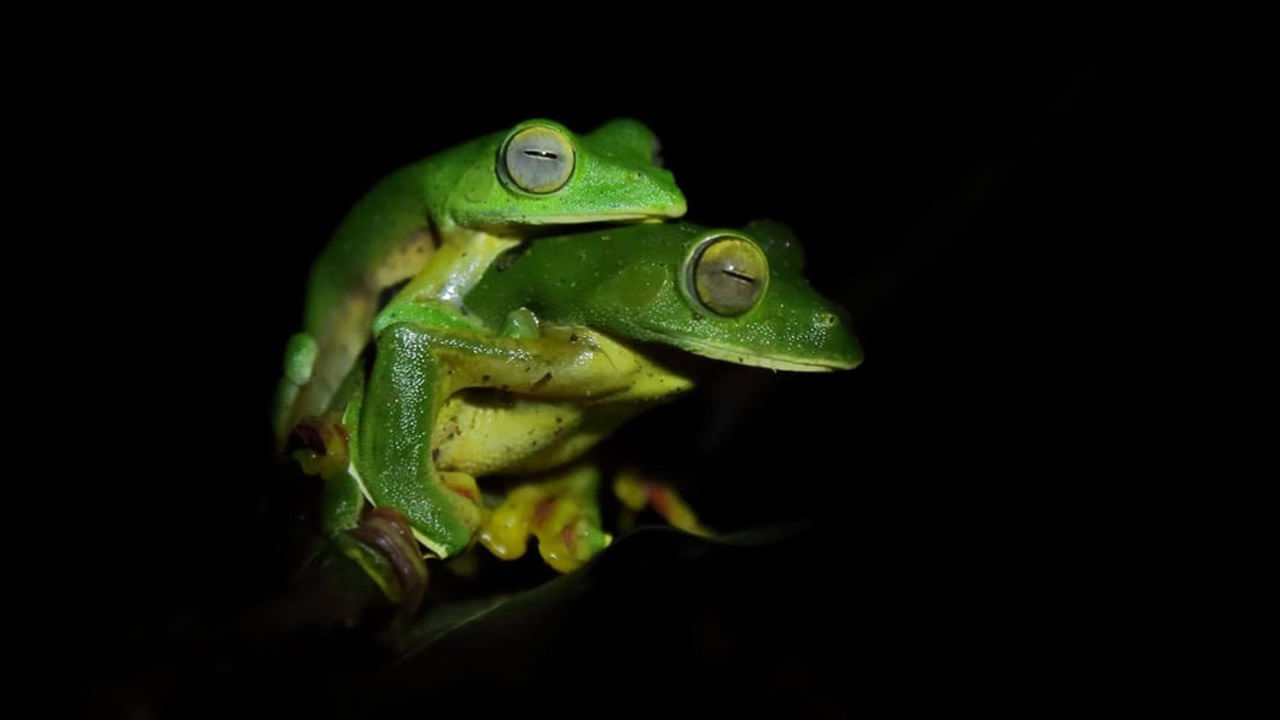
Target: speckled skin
[633,283]
[559,392]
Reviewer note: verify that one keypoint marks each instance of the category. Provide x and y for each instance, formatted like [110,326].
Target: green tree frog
[439,222]
[553,348]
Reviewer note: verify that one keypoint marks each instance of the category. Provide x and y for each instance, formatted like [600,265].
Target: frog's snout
[676,206]
[666,199]
[841,348]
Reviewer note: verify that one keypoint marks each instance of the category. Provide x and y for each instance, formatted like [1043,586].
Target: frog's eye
[728,273]
[538,159]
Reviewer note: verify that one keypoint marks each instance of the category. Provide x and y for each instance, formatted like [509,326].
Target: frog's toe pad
[565,545]
[389,553]
[319,446]
[636,493]
[312,433]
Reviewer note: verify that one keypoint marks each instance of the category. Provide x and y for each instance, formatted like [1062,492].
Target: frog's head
[540,173]
[733,295]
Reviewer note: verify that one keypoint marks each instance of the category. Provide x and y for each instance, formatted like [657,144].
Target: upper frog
[440,221]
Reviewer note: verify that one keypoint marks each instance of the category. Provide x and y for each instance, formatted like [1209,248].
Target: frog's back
[385,239]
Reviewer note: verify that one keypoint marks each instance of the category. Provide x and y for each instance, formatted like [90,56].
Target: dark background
[1000,523]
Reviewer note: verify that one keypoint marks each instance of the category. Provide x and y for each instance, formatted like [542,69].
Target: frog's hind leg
[417,368]
[381,542]
[636,492]
[561,509]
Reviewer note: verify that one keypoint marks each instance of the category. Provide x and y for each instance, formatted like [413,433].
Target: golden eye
[729,275]
[538,159]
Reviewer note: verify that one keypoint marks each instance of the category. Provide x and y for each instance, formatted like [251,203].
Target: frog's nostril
[826,319]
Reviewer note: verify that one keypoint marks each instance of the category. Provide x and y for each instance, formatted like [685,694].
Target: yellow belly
[495,434]
[487,433]
[491,432]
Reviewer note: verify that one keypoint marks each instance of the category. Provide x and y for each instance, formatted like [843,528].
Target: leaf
[640,550]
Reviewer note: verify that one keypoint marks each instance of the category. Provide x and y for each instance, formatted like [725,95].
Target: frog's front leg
[561,509]
[415,370]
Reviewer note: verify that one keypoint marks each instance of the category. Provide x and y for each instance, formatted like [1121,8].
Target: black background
[999,529]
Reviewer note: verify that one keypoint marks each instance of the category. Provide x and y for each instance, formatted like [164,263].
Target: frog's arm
[417,368]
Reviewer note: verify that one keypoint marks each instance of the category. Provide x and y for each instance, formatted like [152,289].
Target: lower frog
[552,350]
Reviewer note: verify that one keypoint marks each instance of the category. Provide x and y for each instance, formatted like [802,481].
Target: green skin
[440,222]
[559,326]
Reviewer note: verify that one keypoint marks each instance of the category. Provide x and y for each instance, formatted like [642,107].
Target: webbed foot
[319,446]
[562,512]
[383,545]
[381,542]
[637,492]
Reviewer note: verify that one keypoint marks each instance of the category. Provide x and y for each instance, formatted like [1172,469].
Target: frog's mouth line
[772,362]
[596,218]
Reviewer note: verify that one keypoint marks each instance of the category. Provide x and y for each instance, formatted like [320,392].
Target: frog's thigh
[393,460]
[561,509]
[415,370]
